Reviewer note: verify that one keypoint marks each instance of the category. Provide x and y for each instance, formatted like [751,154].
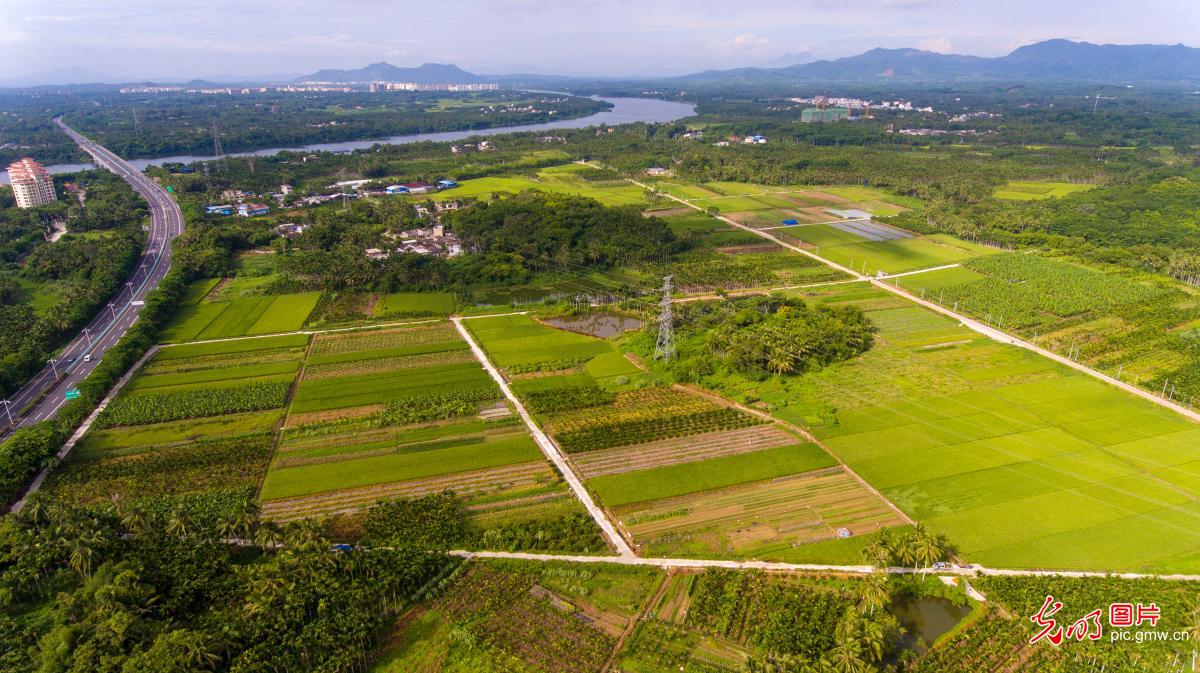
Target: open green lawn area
[250,315]
[412,304]
[1015,190]
[684,478]
[1019,461]
[889,256]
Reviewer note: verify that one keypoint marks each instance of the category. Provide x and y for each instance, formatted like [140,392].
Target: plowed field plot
[680,450]
[862,249]
[644,415]
[510,480]
[759,520]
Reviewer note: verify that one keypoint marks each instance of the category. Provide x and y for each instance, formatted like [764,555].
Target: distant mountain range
[1049,61]
[428,73]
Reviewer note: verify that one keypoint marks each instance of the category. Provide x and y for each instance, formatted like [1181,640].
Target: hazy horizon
[141,39]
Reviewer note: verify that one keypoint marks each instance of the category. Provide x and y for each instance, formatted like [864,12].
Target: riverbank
[623,111]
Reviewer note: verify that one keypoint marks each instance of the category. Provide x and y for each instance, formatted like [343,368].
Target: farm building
[218,210]
[396,189]
[446,184]
[252,209]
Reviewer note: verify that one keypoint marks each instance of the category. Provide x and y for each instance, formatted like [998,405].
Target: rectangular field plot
[1004,451]
[757,520]
[856,246]
[1015,190]
[406,304]
[197,423]
[250,315]
[688,449]
[517,343]
[545,617]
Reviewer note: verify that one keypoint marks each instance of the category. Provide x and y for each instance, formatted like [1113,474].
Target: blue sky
[154,38]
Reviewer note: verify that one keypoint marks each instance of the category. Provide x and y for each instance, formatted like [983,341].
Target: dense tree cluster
[127,589]
[757,336]
[562,229]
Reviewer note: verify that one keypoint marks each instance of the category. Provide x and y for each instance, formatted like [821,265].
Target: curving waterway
[624,111]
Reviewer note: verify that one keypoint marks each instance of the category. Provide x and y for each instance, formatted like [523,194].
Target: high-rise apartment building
[31,184]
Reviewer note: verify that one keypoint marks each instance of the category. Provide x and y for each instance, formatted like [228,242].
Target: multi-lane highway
[45,393]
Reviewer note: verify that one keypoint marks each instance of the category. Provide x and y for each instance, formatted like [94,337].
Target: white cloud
[941,45]
[746,45]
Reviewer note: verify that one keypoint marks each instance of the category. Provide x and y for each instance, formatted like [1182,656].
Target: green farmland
[1015,190]
[890,256]
[1019,461]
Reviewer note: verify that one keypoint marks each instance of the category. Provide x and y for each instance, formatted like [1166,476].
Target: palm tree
[873,638]
[904,551]
[926,548]
[878,551]
[873,592]
[178,524]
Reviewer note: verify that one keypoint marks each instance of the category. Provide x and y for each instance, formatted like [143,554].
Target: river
[624,111]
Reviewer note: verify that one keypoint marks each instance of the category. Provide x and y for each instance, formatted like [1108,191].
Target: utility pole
[8,411]
[665,347]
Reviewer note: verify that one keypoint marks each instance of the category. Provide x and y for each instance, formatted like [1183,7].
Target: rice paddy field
[197,421]
[414,304]
[683,474]
[405,412]
[1014,190]
[1019,461]
[867,250]
[800,201]
[208,318]
[564,179]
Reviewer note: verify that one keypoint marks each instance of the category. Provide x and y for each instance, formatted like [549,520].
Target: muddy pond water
[598,324]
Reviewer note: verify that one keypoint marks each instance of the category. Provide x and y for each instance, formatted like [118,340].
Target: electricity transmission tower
[218,151]
[665,348]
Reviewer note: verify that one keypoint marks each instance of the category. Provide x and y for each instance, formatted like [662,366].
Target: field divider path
[549,448]
[303,331]
[83,428]
[699,564]
[970,323]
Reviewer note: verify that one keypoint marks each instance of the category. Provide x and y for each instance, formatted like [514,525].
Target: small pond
[597,324]
[925,619]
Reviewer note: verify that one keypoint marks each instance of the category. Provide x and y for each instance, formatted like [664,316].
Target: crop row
[633,405]
[190,468]
[566,399]
[626,432]
[160,365]
[386,364]
[375,339]
[173,406]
